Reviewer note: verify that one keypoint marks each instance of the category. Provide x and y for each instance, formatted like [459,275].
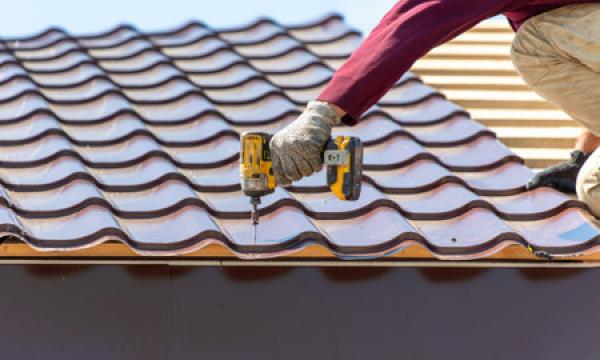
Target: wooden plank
[118,251]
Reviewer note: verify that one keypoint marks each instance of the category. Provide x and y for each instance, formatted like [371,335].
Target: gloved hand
[563,176]
[296,150]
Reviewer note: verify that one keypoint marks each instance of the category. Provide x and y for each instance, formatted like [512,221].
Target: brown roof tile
[134,137]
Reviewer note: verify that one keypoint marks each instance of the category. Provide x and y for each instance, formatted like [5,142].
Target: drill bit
[254,200]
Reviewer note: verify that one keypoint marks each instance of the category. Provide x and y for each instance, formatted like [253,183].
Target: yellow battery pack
[343,157]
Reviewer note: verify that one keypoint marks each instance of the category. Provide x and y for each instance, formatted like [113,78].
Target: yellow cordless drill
[343,157]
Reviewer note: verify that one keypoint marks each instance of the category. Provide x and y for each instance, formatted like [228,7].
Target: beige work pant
[558,55]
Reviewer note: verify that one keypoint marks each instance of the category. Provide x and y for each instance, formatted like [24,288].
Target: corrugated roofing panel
[134,137]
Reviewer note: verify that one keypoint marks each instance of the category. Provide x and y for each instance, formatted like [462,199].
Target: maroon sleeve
[406,33]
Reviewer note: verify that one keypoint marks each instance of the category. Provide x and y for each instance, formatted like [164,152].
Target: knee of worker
[532,55]
[530,66]
[588,183]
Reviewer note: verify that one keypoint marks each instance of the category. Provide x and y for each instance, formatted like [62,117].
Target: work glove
[297,149]
[562,176]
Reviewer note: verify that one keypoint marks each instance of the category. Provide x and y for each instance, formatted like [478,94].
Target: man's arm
[406,33]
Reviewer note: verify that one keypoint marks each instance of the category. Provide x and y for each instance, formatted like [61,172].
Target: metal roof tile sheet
[134,137]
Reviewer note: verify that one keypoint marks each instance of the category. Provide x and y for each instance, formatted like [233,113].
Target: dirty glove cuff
[326,112]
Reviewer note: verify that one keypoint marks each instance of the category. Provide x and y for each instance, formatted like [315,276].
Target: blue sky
[24,17]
